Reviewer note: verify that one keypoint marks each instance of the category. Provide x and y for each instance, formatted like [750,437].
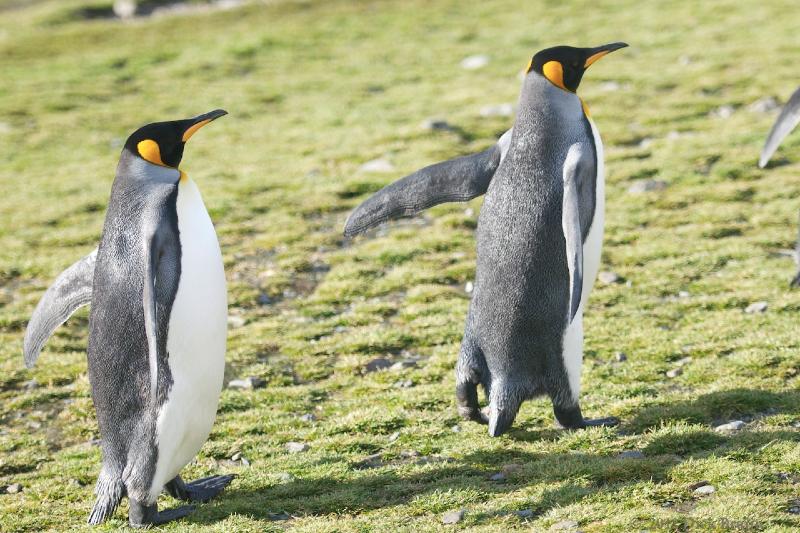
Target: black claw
[169,515]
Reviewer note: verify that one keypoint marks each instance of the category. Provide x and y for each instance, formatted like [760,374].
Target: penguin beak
[201,120]
[593,54]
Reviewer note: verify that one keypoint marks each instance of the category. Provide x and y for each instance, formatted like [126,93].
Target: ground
[315,90]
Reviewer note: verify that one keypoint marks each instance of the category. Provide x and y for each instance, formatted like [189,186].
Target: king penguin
[157,327]
[539,240]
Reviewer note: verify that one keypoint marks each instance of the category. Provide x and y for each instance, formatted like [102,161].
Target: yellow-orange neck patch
[554,72]
[150,151]
[585,108]
[188,133]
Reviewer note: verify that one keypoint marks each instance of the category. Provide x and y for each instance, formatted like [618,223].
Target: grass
[315,89]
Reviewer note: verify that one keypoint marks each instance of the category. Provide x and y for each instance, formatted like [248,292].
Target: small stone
[646,142]
[124,9]
[407,454]
[433,124]
[794,509]
[245,461]
[631,454]
[30,385]
[308,417]
[250,382]
[620,357]
[279,516]
[674,373]
[475,62]
[453,517]
[75,483]
[285,477]
[756,307]
[394,436]
[403,384]
[235,321]
[525,513]
[371,461]
[297,447]
[468,212]
[607,278]
[763,105]
[499,476]
[699,484]
[564,525]
[401,365]
[683,361]
[456,429]
[380,363]
[683,294]
[705,490]
[236,456]
[498,110]
[736,425]
[377,165]
[724,111]
[14,488]
[647,185]
[469,287]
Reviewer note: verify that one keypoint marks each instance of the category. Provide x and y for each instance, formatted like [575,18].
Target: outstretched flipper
[456,180]
[787,120]
[202,490]
[71,290]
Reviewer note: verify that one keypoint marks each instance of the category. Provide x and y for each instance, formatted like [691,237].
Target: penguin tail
[109,491]
[503,408]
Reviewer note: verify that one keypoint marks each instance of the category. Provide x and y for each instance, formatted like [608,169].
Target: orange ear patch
[554,72]
[150,151]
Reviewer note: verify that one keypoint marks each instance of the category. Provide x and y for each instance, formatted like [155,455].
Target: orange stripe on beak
[191,131]
[594,57]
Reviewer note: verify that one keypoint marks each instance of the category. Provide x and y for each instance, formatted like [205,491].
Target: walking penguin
[539,239]
[157,327]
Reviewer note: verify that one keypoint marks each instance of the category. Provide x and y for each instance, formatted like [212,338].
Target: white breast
[572,349]
[195,341]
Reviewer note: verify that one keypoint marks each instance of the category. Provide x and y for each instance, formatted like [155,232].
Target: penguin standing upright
[539,238]
[157,327]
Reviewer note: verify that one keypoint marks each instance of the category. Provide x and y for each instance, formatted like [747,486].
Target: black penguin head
[564,66]
[161,143]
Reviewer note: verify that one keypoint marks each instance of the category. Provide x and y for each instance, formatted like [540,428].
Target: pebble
[525,513]
[297,447]
[279,516]
[250,382]
[14,488]
[683,294]
[683,361]
[736,425]
[764,105]
[124,9]
[631,454]
[236,456]
[371,461]
[469,287]
[497,110]
[794,509]
[381,363]
[75,482]
[409,453]
[724,112]
[499,476]
[475,62]
[406,363]
[394,436]
[648,185]
[564,525]
[30,385]
[607,278]
[235,321]
[308,417]
[674,373]
[756,307]
[433,124]
[620,357]
[705,490]
[456,429]
[453,517]
[403,384]
[377,165]
[285,477]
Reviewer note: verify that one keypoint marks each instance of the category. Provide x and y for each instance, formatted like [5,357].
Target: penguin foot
[202,490]
[796,281]
[142,516]
[609,421]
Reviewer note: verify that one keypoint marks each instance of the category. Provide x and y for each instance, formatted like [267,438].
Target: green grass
[315,89]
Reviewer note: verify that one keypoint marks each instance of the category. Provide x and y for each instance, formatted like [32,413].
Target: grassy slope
[314,90]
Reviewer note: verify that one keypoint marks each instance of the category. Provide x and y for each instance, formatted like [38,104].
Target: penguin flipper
[787,120]
[574,169]
[149,304]
[456,180]
[71,290]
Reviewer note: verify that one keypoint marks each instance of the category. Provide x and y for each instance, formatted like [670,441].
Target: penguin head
[161,143]
[563,66]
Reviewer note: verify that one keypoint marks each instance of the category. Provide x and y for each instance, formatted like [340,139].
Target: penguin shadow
[569,477]
[777,162]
